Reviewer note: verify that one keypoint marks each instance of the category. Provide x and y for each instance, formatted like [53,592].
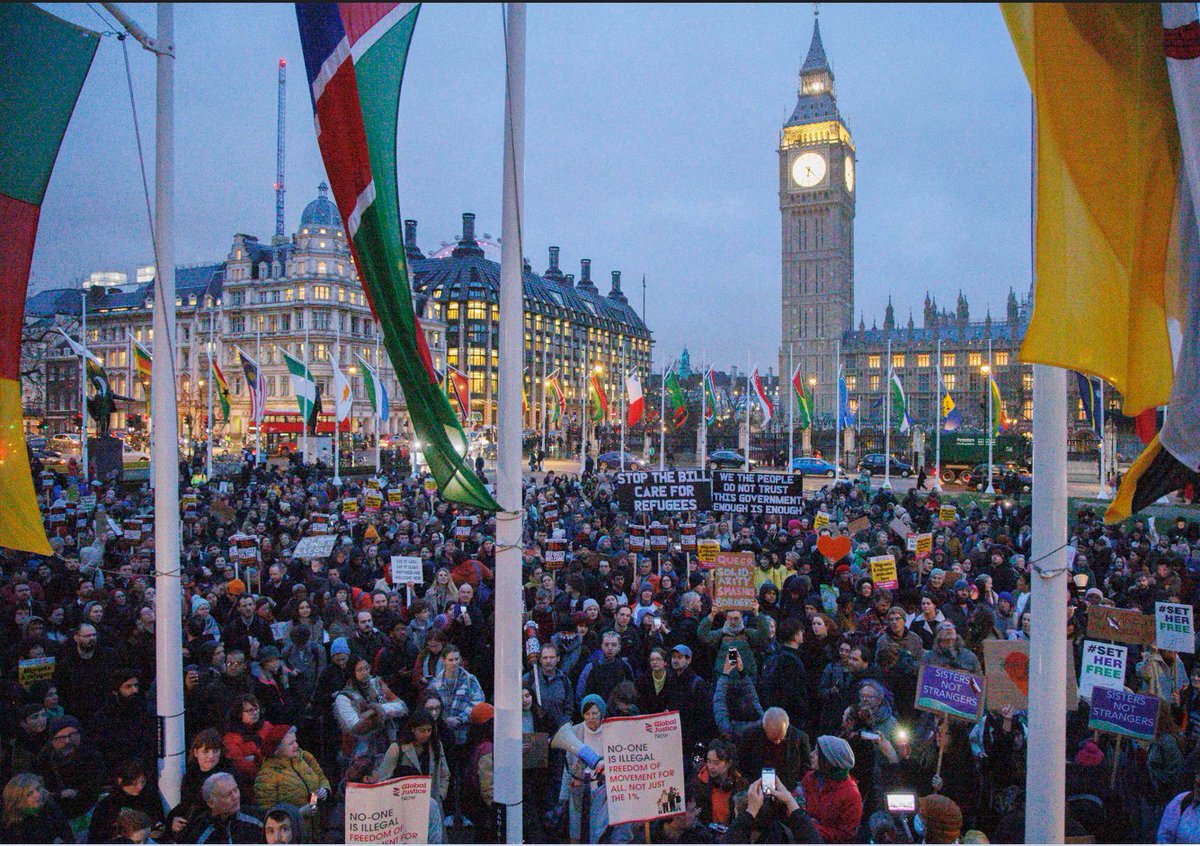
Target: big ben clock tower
[816,206]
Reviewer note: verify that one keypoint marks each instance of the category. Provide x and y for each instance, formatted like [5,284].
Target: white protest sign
[316,546]
[1174,628]
[643,765]
[1103,666]
[392,811]
[407,568]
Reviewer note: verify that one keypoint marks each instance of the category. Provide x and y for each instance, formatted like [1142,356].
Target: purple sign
[1129,714]
[950,692]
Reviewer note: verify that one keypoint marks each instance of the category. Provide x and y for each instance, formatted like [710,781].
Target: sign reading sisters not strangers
[643,491]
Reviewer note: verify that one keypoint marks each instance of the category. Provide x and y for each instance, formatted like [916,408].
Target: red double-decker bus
[282,430]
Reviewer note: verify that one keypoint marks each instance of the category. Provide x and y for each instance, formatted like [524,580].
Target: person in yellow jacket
[770,571]
[290,776]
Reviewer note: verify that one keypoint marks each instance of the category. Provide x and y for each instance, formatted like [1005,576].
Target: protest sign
[663,490]
[431,486]
[859,525]
[1120,625]
[733,581]
[924,544]
[550,513]
[636,540]
[951,692]
[658,537]
[910,542]
[947,514]
[30,670]
[462,527]
[1103,665]
[1128,714]
[758,493]
[132,529]
[279,631]
[373,483]
[820,521]
[317,546]
[395,498]
[373,500]
[243,547]
[320,524]
[829,597]
[556,553]
[407,569]
[392,811]
[643,765]
[706,551]
[349,509]
[1007,666]
[900,528]
[687,537]
[1173,627]
[883,572]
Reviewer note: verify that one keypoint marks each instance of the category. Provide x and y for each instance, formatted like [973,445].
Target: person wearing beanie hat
[481,713]
[69,764]
[834,803]
[1089,755]
[587,797]
[340,646]
[289,774]
[940,817]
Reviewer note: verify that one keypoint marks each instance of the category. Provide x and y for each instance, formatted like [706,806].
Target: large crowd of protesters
[303,674]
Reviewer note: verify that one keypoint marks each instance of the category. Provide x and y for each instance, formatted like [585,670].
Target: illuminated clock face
[850,174]
[808,169]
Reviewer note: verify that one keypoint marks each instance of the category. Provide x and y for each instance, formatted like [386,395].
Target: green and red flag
[354,55]
[675,396]
[599,399]
[143,363]
[222,387]
[46,61]
[803,400]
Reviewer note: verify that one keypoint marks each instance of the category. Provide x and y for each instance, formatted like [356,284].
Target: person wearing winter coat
[72,771]
[129,725]
[735,634]
[1181,818]
[366,711]
[289,775]
[584,789]
[246,739]
[784,679]
[30,816]
[833,799]
[948,651]
[717,782]
[778,744]
[130,793]
[772,816]
[736,706]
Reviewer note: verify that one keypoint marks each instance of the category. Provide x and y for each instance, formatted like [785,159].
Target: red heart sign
[1016,667]
[835,549]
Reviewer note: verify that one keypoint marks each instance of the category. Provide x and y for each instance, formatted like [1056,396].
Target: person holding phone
[772,814]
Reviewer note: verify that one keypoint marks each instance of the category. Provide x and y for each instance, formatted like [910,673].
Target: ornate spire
[816,59]
[889,316]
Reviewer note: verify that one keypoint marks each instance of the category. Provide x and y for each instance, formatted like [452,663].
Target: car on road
[64,443]
[612,460]
[811,466]
[873,463]
[727,459]
[979,477]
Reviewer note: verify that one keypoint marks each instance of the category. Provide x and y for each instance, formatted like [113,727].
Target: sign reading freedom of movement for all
[392,811]
[663,490]
[951,692]
[643,765]
[758,493]
[733,581]
[1129,714]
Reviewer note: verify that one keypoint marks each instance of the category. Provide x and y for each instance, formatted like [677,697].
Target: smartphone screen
[733,654]
[901,803]
[768,780]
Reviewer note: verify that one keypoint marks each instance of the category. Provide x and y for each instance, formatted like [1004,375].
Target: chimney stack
[585,271]
[467,245]
[468,233]
[554,258]
[615,293]
[411,250]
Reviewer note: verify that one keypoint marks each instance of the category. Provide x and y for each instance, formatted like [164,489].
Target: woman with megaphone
[583,780]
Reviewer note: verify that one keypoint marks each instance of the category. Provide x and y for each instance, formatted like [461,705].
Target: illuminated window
[452,311]
[1000,359]
[322,245]
[950,380]
[873,382]
[873,362]
[897,359]
[1027,409]
[476,310]
[321,292]
[851,383]
[1027,380]
[300,293]
[948,359]
[974,359]
[341,294]
[322,268]
[922,359]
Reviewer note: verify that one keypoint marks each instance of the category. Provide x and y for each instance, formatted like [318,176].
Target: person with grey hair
[776,744]
[223,820]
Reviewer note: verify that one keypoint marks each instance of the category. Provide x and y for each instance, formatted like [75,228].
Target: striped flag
[764,402]
[256,383]
[560,401]
[678,402]
[458,388]
[1089,396]
[710,394]
[900,404]
[303,384]
[952,418]
[143,363]
[355,54]
[636,402]
[999,421]
[599,399]
[847,416]
[46,61]
[376,392]
[803,400]
[221,385]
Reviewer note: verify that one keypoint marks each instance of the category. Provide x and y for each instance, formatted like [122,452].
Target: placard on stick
[1103,665]
[1007,672]
[1120,625]
[643,764]
[883,572]
[950,692]
[707,551]
[1127,714]
[392,811]
[1174,627]
[407,569]
[733,581]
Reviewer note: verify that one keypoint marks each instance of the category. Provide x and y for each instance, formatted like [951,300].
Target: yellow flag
[1108,159]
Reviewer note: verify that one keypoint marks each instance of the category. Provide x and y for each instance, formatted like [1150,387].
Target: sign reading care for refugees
[643,766]
[392,811]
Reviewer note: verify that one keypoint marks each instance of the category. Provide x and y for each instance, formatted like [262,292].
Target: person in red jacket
[246,741]
[833,799]
[471,570]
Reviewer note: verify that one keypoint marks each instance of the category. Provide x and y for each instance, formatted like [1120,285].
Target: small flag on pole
[764,402]
[637,404]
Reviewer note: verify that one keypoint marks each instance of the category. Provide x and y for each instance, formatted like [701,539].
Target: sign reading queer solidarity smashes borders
[758,493]
[392,811]
[733,581]
[643,766]
[1103,666]
[951,692]
[1129,714]
[1173,627]
[663,490]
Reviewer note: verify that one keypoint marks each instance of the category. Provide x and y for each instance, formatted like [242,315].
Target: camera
[902,803]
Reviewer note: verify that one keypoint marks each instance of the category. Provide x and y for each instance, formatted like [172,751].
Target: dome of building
[321,211]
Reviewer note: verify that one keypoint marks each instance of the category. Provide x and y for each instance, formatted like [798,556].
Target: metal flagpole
[337,418]
[662,419]
[83,382]
[991,422]
[887,421]
[508,656]
[791,395]
[211,320]
[542,415]
[624,404]
[1103,494]
[837,406]
[703,412]
[583,400]
[304,423]
[937,430]
[128,368]
[262,403]
[378,399]
[746,399]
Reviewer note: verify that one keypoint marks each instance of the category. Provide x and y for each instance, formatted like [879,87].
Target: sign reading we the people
[758,493]
[733,581]
[643,767]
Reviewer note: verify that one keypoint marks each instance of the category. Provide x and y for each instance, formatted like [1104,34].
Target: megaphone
[566,740]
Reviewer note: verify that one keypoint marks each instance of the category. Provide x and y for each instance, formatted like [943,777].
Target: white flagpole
[508,655]
[937,425]
[662,419]
[211,320]
[337,417]
[837,406]
[991,423]
[700,462]
[304,423]
[746,398]
[378,400]
[791,407]
[262,403]
[887,421]
[583,400]
[542,421]
[1103,494]
[624,405]
[83,382]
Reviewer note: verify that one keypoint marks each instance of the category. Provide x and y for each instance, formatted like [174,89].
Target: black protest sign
[758,493]
[663,490]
